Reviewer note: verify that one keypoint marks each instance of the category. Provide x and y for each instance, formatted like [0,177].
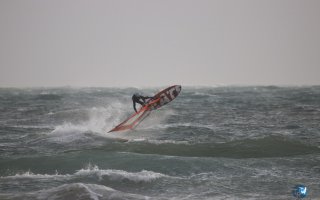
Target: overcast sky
[163,42]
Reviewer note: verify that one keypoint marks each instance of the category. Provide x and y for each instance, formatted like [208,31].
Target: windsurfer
[138,98]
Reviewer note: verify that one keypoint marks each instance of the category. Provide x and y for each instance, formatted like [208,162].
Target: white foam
[158,142]
[205,94]
[138,140]
[99,121]
[187,124]
[67,133]
[31,175]
[31,126]
[93,170]
[119,175]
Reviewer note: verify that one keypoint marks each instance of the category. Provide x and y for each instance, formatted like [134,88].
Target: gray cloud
[150,43]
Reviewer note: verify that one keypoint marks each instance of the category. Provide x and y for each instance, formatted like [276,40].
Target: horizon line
[162,86]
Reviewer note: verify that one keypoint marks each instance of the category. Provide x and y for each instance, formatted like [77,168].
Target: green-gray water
[209,143]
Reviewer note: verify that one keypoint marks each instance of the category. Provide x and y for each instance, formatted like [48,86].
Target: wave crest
[120,175]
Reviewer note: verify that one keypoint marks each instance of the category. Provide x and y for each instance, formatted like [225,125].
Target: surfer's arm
[145,98]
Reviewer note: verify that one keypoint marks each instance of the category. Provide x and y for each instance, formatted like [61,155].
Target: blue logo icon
[299,191]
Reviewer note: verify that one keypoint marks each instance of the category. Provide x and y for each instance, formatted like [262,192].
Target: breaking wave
[76,191]
[92,171]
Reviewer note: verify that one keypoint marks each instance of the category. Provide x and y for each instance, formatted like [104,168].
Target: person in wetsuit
[138,98]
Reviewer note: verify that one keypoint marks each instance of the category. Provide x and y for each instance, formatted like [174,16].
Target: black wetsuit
[139,99]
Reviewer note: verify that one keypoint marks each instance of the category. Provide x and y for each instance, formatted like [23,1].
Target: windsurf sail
[160,99]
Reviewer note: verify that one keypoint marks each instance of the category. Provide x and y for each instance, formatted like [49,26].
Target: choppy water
[209,143]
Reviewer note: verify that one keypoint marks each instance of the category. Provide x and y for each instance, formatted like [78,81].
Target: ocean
[209,143]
